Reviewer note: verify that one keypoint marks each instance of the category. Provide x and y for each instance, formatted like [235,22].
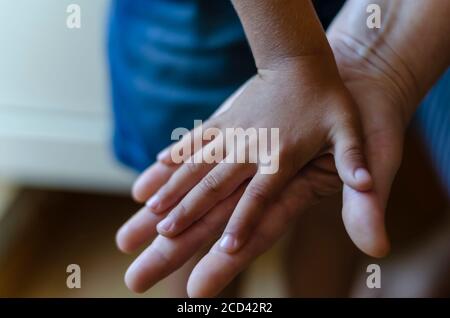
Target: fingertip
[121,240]
[211,274]
[132,281]
[364,221]
[363,179]
[359,179]
[351,164]
[376,244]
[136,192]
[162,155]
[165,156]
[142,186]
[196,288]
[154,203]
[150,181]
[229,244]
[166,227]
[380,250]
[192,290]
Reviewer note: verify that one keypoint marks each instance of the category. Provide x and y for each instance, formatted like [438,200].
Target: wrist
[407,53]
[281,30]
[378,62]
[317,68]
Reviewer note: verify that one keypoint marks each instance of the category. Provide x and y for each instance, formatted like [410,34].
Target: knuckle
[192,168]
[316,195]
[323,186]
[182,211]
[210,184]
[257,192]
[326,188]
[168,193]
[286,151]
[353,153]
[165,193]
[238,226]
[137,193]
[288,208]
[162,255]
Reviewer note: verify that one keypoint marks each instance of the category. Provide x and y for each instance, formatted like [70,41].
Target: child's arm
[280,31]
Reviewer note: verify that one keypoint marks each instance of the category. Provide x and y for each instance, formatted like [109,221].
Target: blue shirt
[433,120]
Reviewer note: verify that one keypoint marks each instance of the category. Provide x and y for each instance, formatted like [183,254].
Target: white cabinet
[55,126]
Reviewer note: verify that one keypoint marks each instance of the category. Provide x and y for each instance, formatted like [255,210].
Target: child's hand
[383,126]
[303,98]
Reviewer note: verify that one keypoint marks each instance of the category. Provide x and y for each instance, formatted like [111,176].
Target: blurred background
[54,149]
[63,195]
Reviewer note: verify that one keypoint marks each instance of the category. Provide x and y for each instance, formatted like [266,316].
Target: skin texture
[412,34]
[268,27]
[298,91]
[377,75]
[330,126]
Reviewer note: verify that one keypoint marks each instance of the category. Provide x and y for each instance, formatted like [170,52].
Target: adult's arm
[412,44]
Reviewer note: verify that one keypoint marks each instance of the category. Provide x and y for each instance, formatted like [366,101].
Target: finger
[138,230]
[220,182]
[189,144]
[250,209]
[218,268]
[349,157]
[183,179]
[364,213]
[151,180]
[364,221]
[165,255]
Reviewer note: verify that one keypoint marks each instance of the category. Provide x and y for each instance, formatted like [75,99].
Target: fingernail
[165,226]
[362,175]
[153,203]
[228,243]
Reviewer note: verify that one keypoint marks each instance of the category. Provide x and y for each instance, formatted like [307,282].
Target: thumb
[350,163]
[363,213]
[363,219]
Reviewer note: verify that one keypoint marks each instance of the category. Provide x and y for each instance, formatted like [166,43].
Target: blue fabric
[433,119]
[171,61]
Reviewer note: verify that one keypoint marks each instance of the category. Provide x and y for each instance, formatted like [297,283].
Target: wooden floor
[45,231]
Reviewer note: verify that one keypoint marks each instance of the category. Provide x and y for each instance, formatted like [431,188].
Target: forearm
[412,41]
[280,30]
